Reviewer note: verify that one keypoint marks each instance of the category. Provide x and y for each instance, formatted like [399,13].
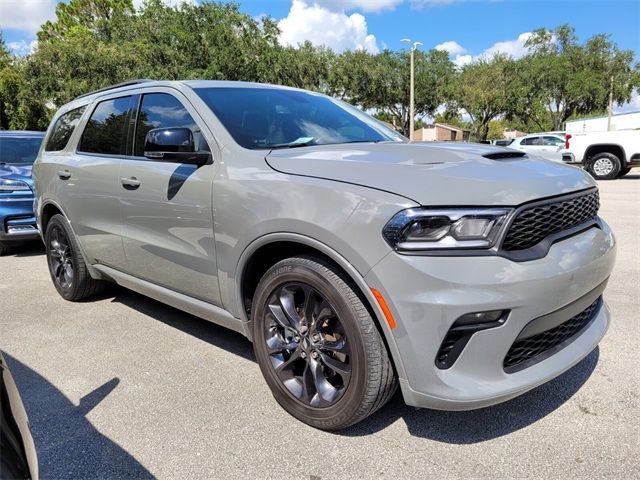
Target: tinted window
[553,141]
[161,110]
[19,150]
[63,129]
[106,130]
[531,141]
[265,118]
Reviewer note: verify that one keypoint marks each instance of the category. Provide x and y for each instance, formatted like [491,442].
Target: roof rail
[117,85]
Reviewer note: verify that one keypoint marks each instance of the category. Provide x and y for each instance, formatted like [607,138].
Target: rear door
[167,212]
[90,179]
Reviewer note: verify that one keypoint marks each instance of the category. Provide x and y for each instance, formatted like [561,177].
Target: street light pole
[412,112]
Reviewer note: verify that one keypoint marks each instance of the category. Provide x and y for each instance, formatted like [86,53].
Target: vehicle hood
[17,172]
[435,173]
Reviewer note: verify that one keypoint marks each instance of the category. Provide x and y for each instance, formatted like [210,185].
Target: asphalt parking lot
[125,387]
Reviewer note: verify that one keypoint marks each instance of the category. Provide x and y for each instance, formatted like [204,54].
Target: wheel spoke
[279,316]
[283,370]
[342,369]
[276,344]
[324,389]
[309,305]
[287,302]
[341,346]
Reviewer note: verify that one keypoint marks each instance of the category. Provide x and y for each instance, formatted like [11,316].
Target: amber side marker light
[385,308]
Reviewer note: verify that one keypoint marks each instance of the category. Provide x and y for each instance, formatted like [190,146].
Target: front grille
[528,351]
[534,224]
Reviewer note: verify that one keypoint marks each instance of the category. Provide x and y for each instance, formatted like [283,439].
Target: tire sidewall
[348,405]
[614,160]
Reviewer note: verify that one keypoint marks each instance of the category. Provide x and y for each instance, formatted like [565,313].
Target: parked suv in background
[541,144]
[18,151]
[354,260]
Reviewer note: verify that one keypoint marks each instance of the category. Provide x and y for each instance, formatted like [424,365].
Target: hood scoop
[504,155]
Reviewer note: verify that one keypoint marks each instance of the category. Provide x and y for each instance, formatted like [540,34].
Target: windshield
[268,118]
[19,150]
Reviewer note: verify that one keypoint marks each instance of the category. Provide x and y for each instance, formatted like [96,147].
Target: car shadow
[629,176]
[448,427]
[484,424]
[28,249]
[68,445]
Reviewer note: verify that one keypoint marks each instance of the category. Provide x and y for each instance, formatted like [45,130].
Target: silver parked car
[353,260]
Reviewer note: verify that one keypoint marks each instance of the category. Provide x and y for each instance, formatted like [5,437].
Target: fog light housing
[461,332]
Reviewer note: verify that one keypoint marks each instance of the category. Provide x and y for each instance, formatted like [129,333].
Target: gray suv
[353,260]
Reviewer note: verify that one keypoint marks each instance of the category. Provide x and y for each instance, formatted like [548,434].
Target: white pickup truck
[605,155]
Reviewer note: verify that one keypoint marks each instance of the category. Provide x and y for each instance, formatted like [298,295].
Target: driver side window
[161,110]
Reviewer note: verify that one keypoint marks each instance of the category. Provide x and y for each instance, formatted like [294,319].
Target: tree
[381,82]
[484,90]
[563,78]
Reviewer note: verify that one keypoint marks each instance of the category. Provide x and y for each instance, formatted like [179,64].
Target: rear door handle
[64,174]
[131,182]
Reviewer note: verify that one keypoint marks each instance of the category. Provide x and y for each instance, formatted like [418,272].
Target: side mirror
[173,145]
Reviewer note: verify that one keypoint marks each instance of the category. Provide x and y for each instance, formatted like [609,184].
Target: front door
[166,207]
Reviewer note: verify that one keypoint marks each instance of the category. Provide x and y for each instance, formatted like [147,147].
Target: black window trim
[97,102]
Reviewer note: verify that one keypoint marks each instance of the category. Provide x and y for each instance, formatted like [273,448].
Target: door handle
[131,182]
[64,174]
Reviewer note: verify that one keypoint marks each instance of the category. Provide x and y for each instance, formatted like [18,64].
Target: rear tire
[624,171]
[604,166]
[4,249]
[320,352]
[67,268]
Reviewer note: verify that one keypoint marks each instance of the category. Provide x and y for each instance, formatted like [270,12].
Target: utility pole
[610,105]
[412,112]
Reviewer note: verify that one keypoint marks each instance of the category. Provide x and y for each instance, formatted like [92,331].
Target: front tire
[317,345]
[4,249]
[604,166]
[67,268]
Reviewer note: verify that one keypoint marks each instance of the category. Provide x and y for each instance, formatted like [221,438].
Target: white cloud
[364,5]
[632,106]
[26,15]
[513,48]
[453,48]
[22,47]
[321,26]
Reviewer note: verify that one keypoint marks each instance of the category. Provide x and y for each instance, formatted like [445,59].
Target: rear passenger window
[161,110]
[107,129]
[531,141]
[62,130]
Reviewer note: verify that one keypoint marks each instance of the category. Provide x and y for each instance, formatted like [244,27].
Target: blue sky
[465,28]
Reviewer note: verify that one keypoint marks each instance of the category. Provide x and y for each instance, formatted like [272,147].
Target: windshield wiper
[293,144]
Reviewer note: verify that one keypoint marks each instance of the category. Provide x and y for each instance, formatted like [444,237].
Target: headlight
[7,185]
[455,228]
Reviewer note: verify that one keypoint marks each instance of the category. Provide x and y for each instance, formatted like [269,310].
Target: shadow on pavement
[27,249]
[211,333]
[68,445]
[449,427]
[487,423]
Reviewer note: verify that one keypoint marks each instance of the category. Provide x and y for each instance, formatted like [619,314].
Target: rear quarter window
[62,129]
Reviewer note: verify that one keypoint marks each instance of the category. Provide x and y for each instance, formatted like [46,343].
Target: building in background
[511,133]
[441,132]
[620,121]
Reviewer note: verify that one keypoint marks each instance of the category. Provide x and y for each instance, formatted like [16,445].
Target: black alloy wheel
[307,344]
[317,344]
[60,258]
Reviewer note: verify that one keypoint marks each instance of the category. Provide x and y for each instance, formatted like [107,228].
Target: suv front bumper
[427,294]
[17,222]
